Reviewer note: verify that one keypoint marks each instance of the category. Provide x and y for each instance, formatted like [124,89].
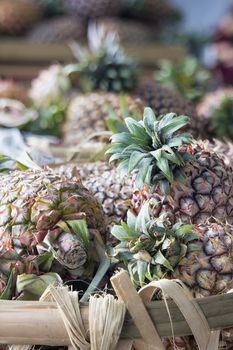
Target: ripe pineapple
[57,30]
[215,112]
[105,183]
[163,100]
[187,182]
[104,65]
[158,11]
[129,31]
[93,8]
[17,17]
[10,89]
[187,77]
[88,114]
[42,224]
[198,255]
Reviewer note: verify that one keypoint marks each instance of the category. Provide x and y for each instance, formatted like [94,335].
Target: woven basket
[57,322]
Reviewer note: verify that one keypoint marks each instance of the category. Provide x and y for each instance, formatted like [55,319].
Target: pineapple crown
[223,118]
[187,77]
[152,248]
[104,64]
[151,147]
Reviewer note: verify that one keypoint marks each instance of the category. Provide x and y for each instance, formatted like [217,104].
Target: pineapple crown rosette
[187,77]
[104,65]
[49,223]
[188,181]
[154,248]
[150,147]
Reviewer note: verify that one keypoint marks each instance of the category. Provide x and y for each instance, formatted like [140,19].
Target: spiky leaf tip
[152,248]
[151,147]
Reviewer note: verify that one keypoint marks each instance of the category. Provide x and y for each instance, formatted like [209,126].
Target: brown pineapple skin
[87,114]
[163,100]
[111,189]
[58,30]
[129,31]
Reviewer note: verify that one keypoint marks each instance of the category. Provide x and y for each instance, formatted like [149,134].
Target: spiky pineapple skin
[93,8]
[111,189]
[58,30]
[163,100]
[207,190]
[208,272]
[133,32]
[32,203]
[10,89]
[223,148]
[87,114]
[16,17]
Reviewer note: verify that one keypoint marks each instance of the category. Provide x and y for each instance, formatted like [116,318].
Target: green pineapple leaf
[31,287]
[8,290]
[151,147]
[156,247]
[79,227]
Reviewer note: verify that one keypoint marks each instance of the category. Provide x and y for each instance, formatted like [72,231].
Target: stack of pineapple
[162,206]
[62,20]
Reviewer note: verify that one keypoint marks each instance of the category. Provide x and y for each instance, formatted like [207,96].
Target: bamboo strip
[31,322]
[128,294]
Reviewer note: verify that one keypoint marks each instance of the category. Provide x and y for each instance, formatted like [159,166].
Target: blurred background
[57,56]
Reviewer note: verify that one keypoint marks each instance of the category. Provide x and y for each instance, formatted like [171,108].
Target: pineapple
[104,65]
[163,100]
[157,11]
[199,255]
[93,8]
[44,223]
[188,182]
[57,30]
[49,93]
[50,86]
[17,17]
[215,112]
[223,148]
[133,32]
[88,114]
[15,91]
[105,183]
[187,77]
